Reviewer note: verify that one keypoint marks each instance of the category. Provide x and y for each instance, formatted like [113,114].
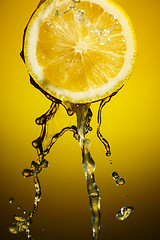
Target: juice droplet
[82,17]
[45,163]
[108,153]
[115,175]
[13,228]
[11,199]
[24,211]
[124,213]
[104,37]
[120,181]
[96,31]
[27,173]
[19,207]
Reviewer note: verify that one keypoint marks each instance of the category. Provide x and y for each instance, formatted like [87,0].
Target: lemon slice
[79,52]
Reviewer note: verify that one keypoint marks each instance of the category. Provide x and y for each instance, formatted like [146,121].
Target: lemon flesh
[80,52]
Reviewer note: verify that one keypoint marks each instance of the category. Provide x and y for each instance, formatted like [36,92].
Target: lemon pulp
[83,53]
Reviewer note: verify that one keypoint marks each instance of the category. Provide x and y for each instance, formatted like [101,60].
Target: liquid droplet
[115,175]
[104,39]
[124,213]
[82,17]
[11,199]
[19,207]
[108,154]
[120,181]
[97,31]
[24,212]
[45,163]
[14,228]
[27,173]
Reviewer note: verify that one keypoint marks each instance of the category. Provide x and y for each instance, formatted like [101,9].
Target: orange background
[131,123]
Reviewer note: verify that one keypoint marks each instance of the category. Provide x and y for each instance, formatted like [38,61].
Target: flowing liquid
[44,142]
[43,145]
[84,116]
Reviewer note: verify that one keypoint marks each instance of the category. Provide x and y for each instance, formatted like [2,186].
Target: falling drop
[27,173]
[11,199]
[19,207]
[45,163]
[120,181]
[24,212]
[14,228]
[124,213]
[115,175]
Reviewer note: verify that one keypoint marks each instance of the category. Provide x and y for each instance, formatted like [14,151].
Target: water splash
[44,142]
[43,145]
[124,213]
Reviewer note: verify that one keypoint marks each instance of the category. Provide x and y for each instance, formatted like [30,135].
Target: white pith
[93,94]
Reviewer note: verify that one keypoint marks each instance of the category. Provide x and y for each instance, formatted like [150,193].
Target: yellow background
[131,123]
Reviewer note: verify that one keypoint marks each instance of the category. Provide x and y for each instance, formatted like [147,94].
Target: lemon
[79,51]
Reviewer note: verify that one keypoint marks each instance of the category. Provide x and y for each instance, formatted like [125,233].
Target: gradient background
[131,123]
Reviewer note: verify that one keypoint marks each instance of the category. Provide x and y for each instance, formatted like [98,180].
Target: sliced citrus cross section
[80,52]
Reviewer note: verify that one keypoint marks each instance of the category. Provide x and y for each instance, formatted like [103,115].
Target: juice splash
[43,145]
[45,141]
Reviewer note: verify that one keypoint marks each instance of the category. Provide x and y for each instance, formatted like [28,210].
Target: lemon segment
[80,52]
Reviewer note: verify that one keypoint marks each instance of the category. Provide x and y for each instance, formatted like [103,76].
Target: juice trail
[102,139]
[43,145]
[99,120]
[84,116]
[23,224]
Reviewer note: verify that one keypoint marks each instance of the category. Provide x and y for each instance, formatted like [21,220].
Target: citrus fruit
[79,51]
